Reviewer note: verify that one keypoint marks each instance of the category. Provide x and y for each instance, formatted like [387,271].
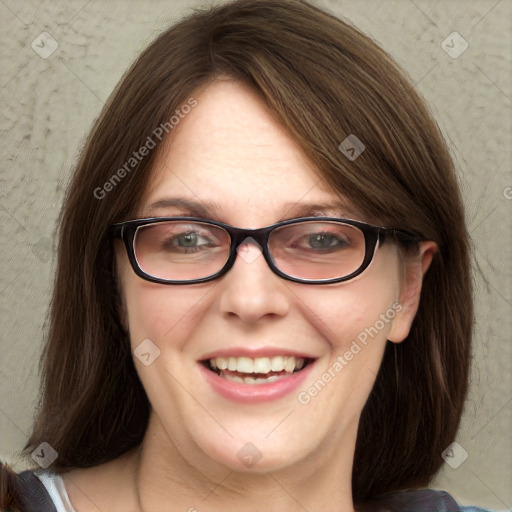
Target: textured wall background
[50,101]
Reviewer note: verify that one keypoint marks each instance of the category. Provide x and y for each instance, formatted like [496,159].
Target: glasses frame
[373,235]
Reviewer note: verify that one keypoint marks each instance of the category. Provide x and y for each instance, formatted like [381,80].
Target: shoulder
[40,490]
[23,492]
[424,500]
[73,489]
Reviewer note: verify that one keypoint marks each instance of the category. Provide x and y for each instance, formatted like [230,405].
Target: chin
[252,451]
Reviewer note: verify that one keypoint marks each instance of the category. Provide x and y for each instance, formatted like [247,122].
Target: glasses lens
[317,250]
[180,250]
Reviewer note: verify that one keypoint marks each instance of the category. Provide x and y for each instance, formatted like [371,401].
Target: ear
[415,266]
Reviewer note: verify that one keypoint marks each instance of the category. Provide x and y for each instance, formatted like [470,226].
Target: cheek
[362,309]
[160,312]
[353,320]
[155,311]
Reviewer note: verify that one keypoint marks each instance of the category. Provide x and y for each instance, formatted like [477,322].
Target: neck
[163,475]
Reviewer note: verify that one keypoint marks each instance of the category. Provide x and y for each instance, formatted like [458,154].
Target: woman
[263,297]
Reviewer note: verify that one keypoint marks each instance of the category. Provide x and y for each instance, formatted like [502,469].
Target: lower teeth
[251,380]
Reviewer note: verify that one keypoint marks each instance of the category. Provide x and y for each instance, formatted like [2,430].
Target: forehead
[230,151]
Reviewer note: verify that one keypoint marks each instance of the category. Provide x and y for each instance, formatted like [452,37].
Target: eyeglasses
[312,250]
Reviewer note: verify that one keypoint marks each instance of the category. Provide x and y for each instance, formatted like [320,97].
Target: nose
[250,290]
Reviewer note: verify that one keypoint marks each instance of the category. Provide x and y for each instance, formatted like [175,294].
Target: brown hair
[322,80]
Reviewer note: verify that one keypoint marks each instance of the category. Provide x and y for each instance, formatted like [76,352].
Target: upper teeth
[258,364]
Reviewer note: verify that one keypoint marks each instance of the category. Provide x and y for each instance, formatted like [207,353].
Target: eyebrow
[212,210]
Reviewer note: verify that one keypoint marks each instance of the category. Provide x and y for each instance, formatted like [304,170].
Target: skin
[188,459]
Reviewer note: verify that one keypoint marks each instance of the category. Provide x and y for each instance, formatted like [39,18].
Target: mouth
[258,370]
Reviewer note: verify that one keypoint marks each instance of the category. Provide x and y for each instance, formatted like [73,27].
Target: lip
[255,393]
[256,352]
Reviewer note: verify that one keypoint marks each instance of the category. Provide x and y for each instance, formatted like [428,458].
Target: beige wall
[48,105]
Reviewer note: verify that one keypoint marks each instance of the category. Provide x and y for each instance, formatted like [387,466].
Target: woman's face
[229,151]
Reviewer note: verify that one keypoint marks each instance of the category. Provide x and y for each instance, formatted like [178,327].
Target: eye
[191,240]
[326,241]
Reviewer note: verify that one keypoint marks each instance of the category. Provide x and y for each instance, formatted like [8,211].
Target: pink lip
[255,393]
[256,352]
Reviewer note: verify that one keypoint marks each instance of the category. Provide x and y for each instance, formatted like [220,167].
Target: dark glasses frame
[127,230]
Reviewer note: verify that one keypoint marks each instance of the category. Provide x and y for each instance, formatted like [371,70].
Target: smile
[255,379]
[259,370]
